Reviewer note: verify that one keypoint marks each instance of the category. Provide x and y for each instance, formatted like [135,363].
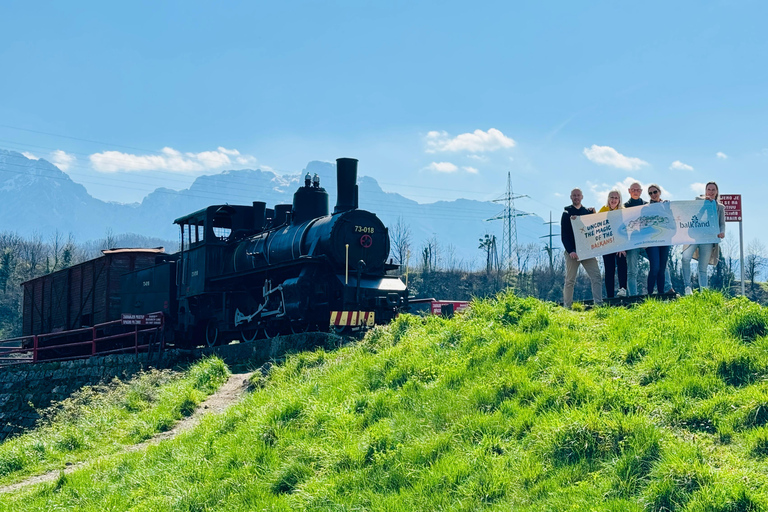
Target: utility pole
[509,216]
[549,248]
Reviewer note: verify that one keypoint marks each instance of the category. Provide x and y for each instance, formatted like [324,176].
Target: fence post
[93,340]
[34,348]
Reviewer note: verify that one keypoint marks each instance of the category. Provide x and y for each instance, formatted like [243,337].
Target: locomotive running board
[352,318]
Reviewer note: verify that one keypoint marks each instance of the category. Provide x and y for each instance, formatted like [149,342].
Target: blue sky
[438,100]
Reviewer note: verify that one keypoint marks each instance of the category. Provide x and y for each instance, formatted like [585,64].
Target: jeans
[633,260]
[705,252]
[657,258]
[572,269]
[613,262]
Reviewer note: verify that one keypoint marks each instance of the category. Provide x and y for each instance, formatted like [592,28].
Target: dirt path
[228,394]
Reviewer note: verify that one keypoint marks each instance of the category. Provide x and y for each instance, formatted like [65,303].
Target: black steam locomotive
[253,271]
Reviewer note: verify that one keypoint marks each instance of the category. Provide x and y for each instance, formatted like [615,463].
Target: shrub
[681,472]
[738,369]
[748,322]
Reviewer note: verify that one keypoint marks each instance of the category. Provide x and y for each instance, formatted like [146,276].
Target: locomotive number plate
[363,229]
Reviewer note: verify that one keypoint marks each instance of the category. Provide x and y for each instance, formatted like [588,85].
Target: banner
[655,224]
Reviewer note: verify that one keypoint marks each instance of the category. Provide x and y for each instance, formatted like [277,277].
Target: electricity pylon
[509,215]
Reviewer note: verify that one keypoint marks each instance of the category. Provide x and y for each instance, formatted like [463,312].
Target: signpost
[732,205]
[149,319]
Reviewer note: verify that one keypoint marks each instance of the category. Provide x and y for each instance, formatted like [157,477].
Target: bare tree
[754,262]
[109,240]
[450,261]
[9,253]
[400,236]
[430,255]
[725,270]
[34,253]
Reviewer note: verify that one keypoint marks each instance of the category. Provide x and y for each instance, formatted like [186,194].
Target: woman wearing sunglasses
[617,260]
[708,254]
[657,256]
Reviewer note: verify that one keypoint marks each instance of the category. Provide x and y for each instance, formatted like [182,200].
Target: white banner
[655,224]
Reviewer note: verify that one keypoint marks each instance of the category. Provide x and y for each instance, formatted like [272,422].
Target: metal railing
[102,339]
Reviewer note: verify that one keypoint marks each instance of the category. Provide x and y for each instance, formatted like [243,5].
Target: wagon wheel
[299,326]
[271,330]
[211,332]
[249,333]
[340,329]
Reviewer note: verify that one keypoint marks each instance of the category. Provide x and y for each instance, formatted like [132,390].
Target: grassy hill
[517,405]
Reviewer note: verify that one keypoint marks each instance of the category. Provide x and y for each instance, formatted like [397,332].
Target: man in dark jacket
[633,255]
[572,259]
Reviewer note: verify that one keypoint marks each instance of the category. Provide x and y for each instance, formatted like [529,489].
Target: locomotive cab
[205,234]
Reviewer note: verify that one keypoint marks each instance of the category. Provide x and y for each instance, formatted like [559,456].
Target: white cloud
[170,160]
[479,158]
[30,155]
[606,155]
[471,170]
[442,167]
[598,192]
[698,188]
[677,165]
[721,155]
[475,142]
[62,160]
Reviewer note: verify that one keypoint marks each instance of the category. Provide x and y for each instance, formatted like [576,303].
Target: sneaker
[621,293]
[688,290]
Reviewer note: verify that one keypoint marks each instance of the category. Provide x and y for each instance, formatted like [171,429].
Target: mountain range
[36,197]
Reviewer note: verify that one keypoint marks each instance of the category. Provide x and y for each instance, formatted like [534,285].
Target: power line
[509,216]
[549,248]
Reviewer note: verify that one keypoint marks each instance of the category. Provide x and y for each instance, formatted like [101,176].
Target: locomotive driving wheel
[271,329]
[299,326]
[212,332]
[340,329]
[249,333]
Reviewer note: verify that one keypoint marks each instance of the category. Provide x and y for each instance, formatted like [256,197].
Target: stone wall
[27,388]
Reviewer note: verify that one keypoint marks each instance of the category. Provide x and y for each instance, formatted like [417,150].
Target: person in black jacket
[572,259]
[633,255]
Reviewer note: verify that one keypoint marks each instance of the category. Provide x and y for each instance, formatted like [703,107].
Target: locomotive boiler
[253,271]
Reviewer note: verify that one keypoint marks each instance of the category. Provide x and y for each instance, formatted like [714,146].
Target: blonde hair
[717,196]
[608,200]
[653,185]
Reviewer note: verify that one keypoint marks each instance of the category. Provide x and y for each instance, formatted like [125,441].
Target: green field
[517,405]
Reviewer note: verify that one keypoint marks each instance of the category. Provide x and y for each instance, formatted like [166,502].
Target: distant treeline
[22,259]
[431,270]
[538,270]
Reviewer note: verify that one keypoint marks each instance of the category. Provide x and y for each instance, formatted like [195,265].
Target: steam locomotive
[253,271]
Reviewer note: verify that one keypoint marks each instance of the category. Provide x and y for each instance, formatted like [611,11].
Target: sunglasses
[653,192]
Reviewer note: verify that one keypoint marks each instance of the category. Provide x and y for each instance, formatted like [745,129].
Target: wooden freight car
[82,295]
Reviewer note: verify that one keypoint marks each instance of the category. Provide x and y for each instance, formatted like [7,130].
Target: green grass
[103,419]
[517,405]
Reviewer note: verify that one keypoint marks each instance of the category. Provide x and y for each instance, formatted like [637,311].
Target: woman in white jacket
[708,254]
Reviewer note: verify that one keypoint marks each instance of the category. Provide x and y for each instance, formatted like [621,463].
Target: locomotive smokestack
[346,181]
[259,215]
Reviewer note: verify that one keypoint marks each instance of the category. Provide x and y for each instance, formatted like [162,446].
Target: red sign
[150,319]
[732,204]
[458,306]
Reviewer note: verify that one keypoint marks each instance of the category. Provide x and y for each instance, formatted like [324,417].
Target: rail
[113,337]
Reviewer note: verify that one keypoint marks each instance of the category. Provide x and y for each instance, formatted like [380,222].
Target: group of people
[626,263]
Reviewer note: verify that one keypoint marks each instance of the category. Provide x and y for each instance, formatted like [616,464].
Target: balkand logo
[694,223]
